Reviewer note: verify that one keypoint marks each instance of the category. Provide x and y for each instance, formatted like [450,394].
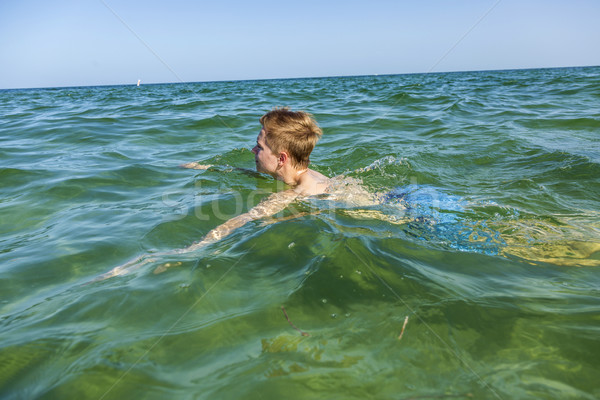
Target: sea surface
[476,276]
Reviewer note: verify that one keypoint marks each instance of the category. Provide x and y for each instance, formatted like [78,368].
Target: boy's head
[295,132]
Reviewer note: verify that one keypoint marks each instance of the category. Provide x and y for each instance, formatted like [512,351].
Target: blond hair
[295,132]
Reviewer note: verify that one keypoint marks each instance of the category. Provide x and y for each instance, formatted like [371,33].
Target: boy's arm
[203,167]
[195,165]
[272,205]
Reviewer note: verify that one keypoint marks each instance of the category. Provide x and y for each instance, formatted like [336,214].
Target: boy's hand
[195,165]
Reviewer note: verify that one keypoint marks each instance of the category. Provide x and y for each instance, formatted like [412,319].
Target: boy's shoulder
[312,183]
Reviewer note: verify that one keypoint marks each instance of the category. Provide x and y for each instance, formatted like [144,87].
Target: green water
[501,287]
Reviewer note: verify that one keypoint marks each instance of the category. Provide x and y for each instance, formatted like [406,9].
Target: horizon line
[293,78]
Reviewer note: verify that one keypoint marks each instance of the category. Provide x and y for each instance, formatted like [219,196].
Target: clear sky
[98,42]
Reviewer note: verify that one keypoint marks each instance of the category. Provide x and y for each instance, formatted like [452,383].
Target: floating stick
[293,326]
[403,327]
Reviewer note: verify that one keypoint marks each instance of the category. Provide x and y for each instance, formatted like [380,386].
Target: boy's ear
[283,157]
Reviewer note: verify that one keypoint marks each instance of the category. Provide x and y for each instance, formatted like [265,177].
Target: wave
[583,123]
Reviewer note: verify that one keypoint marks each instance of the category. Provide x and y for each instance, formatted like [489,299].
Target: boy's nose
[254,150]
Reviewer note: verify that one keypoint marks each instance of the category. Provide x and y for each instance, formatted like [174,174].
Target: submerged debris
[403,327]
[293,326]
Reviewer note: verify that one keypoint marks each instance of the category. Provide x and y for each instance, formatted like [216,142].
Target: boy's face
[266,161]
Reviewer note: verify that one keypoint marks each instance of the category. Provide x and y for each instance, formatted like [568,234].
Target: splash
[383,162]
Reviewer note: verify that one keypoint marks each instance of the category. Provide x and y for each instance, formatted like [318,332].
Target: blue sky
[83,42]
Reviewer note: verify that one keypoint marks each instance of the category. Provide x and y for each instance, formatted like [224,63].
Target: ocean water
[487,239]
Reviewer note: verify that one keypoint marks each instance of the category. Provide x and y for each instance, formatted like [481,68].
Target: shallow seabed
[487,240]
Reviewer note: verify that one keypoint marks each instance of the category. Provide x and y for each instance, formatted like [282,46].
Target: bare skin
[195,165]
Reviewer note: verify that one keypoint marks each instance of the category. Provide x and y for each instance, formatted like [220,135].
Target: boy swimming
[283,147]
[282,150]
